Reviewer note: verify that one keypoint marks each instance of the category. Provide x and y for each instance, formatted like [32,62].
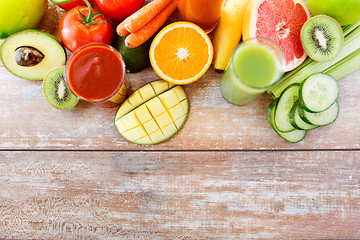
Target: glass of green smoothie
[256,64]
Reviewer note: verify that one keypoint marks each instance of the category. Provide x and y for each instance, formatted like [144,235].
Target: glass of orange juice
[205,13]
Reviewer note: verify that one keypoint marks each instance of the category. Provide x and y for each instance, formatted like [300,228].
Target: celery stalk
[291,73]
[345,66]
[351,44]
[349,28]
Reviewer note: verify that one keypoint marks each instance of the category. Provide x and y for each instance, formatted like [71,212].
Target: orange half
[181,53]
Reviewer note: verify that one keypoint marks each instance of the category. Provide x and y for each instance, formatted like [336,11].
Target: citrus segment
[181,53]
[279,21]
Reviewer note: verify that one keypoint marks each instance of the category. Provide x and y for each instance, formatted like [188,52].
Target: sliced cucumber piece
[318,92]
[321,118]
[282,110]
[296,120]
[293,136]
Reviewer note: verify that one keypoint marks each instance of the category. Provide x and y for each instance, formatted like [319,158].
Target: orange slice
[181,53]
[281,22]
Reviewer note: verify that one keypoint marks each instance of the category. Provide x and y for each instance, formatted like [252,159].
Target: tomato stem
[90,18]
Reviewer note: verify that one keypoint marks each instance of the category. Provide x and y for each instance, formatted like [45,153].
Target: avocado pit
[27,56]
[31,54]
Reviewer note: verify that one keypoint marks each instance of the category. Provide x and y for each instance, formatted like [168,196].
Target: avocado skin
[136,59]
[46,43]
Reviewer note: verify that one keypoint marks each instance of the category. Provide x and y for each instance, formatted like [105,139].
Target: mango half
[153,113]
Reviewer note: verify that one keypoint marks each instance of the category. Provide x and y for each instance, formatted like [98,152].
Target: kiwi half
[56,90]
[322,38]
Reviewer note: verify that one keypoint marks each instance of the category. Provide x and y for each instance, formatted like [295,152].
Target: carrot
[143,34]
[121,31]
[141,17]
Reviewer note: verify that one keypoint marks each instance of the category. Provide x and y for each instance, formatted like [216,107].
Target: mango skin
[344,11]
[16,15]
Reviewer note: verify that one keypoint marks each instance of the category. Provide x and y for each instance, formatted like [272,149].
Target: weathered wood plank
[167,195]
[29,122]
[173,194]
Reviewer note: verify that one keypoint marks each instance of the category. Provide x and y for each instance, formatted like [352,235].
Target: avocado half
[31,54]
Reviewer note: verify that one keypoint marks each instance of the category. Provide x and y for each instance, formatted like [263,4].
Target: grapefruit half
[279,21]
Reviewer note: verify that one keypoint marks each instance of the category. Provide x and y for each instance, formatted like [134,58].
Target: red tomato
[75,33]
[69,5]
[118,10]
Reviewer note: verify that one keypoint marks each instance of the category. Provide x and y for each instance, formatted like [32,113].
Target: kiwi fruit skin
[322,38]
[56,91]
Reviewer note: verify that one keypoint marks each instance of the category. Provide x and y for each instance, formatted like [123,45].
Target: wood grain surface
[224,175]
[179,195]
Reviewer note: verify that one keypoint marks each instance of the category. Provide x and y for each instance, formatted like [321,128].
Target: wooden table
[224,175]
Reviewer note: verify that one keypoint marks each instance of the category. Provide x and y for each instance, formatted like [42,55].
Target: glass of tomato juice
[204,13]
[95,72]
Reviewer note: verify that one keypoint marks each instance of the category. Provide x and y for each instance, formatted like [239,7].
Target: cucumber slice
[321,118]
[293,136]
[318,92]
[282,110]
[296,120]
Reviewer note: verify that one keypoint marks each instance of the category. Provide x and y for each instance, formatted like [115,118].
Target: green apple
[344,11]
[16,15]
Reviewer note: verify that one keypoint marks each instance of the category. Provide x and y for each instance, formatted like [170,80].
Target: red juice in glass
[96,73]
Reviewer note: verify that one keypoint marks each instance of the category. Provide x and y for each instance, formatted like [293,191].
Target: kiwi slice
[56,90]
[322,38]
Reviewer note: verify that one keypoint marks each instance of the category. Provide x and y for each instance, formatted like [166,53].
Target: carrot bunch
[143,24]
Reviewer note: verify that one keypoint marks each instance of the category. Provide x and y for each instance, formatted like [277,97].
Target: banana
[228,33]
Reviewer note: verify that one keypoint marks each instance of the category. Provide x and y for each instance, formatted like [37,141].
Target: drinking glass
[204,13]
[255,65]
[95,72]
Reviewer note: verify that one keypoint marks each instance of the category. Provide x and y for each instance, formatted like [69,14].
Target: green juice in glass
[255,65]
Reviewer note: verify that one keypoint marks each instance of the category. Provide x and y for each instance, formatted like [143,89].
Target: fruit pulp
[205,13]
[153,113]
[253,68]
[95,72]
[279,21]
[181,53]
